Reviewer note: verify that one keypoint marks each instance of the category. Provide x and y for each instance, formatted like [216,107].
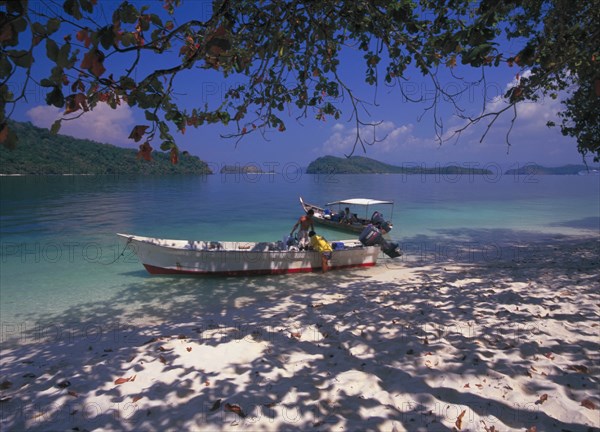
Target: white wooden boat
[163,256]
[331,215]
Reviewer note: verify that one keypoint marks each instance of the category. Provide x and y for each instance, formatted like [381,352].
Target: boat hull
[241,258]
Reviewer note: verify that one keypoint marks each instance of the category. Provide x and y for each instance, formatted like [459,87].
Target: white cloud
[103,124]
[530,139]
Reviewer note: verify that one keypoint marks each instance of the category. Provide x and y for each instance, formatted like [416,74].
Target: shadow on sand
[457,313]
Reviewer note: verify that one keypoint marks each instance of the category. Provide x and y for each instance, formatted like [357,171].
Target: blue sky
[406,134]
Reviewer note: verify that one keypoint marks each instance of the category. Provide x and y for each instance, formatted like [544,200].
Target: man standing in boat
[306,224]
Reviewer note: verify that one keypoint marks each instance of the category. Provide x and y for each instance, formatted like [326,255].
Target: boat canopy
[360,201]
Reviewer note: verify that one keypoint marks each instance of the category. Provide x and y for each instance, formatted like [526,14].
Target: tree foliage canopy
[288,52]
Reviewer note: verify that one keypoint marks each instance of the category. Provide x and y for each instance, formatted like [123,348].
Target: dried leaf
[124,380]
[458,422]
[137,398]
[138,132]
[3,131]
[189,349]
[235,409]
[93,62]
[72,393]
[578,368]
[162,359]
[296,335]
[588,404]
[543,398]
[145,152]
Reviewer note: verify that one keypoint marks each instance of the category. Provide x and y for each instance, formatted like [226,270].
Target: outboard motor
[378,220]
[371,236]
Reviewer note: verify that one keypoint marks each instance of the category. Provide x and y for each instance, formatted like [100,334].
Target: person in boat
[319,244]
[348,217]
[305,223]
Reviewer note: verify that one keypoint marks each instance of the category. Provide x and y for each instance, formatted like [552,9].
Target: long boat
[226,258]
[333,218]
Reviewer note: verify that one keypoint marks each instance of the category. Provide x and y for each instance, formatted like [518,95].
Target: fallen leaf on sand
[543,398]
[467,385]
[189,349]
[124,380]
[588,404]
[489,429]
[578,368]
[458,422]
[162,359]
[136,398]
[235,409]
[296,335]
[72,393]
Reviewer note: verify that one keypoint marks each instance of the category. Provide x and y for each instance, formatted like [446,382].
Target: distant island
[534,169]
[364,165]
[39,152]
[243,169]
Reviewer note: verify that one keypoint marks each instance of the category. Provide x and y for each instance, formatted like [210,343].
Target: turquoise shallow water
[60,259]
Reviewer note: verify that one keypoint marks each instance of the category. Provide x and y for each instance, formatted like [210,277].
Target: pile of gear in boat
[372,235]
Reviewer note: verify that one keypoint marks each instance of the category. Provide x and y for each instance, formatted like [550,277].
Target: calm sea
[60,260]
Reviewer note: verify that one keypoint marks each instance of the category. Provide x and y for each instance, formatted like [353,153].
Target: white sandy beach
[503,342]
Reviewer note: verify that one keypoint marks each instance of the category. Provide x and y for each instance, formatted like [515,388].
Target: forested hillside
[41,152]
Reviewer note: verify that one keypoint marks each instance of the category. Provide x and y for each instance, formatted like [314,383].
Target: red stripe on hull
[159,270]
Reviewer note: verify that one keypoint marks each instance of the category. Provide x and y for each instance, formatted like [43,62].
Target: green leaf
[62,59]
[167,145]
[55,98]
[106,36]
[55,126]
[5,67]
[52,50]
[72,8]
[21,58]
[38,28]
[150,116]
[53,25]
[87,5]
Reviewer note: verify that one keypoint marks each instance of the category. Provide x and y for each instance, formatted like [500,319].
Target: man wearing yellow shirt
[319,244]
